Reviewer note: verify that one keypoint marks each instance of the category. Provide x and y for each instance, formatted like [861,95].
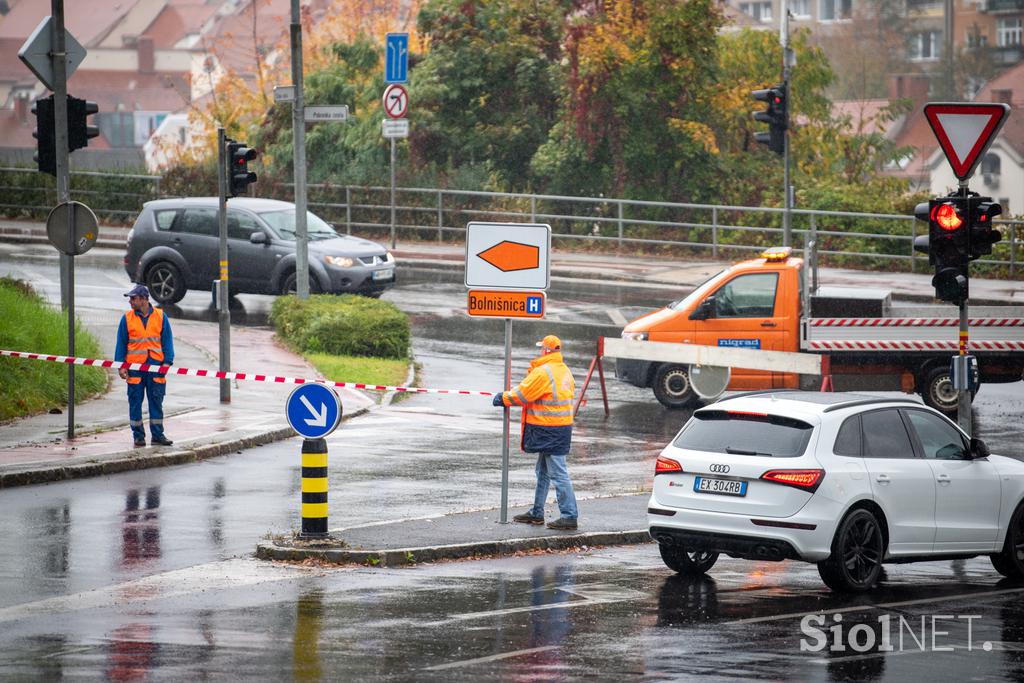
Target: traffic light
[239,175]
[948,244]
[79,130]
[46,149]
[776,115]
[982,234]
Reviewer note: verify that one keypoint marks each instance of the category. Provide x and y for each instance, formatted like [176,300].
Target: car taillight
[807,480]
[666,465]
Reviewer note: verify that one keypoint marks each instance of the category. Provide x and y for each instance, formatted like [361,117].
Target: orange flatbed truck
[871,344]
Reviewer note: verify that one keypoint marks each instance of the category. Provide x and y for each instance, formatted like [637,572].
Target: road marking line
[617,317]
[491,658]
[884,605]
[519,610]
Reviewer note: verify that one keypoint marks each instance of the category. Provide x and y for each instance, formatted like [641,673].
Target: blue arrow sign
[313,410]
[396,59]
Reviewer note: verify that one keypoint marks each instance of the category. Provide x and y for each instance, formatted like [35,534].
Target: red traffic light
[947,217]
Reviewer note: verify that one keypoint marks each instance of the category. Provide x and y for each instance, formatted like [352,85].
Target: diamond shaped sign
[965,131]
[35,52]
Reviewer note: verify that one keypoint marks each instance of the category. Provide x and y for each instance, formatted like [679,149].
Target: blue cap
[138,290]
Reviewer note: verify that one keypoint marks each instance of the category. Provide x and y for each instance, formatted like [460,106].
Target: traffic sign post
[510,258]
[964,131]
[313,411]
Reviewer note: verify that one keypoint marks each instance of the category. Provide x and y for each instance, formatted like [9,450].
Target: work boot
[527,518]
[139,443]
[161,441]
[563,524]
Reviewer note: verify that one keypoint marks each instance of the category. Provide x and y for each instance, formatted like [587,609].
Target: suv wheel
[288,285]
[672,386]
[857,550]
[165,282]
[1010,561]
[687,562]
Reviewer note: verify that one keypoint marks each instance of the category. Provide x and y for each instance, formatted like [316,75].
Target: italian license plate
[384,274]
[726,487]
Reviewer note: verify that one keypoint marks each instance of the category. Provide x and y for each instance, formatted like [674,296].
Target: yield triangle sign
[965,131]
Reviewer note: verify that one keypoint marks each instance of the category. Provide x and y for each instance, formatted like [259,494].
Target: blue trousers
[552,469]
[154,393]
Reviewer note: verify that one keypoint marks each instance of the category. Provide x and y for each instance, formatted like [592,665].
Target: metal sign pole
[58,58]
[299,160]
[963,403]
[223,312]
[505,426]
[392,193]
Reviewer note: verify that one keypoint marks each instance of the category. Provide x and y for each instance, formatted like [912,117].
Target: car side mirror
[705,310]
[258,237]
[979,449]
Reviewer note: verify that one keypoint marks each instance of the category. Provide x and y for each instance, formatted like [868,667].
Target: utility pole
[947,49]
[223,292]
[788,60]
[299,159]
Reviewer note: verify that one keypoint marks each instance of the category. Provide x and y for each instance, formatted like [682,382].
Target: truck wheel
[672,386]
[938,391]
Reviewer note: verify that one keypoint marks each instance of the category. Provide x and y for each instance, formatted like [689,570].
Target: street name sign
[284,93]
[396,101]
[395,128]
[508,255]
[965,131]
[505,303]
[313,410]
[396,60]
[35,52]
[326,112]
[71,228]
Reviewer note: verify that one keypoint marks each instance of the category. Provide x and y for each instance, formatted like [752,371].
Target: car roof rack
[869,401]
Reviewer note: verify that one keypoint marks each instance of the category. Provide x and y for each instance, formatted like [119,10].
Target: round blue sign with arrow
[313,410]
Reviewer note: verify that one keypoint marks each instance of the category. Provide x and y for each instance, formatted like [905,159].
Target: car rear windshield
[742,433]
[283,223]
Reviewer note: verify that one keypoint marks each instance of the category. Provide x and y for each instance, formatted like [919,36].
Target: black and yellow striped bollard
[314,488]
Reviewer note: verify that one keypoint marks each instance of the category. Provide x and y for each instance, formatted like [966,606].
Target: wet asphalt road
[149,574]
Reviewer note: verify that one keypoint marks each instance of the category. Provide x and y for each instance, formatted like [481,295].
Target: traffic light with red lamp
[947,244]
[776,115]
[239,176]
[983,233]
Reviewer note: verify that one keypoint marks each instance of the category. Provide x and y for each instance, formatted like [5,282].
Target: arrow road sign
[35,52]
[313,410]
[396,67]
[396,101]
[508,255]
[965,131]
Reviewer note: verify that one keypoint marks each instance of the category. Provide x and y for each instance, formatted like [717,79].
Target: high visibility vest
[144,341]
[546,394]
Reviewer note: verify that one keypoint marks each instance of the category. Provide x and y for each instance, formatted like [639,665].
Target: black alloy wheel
[289,286]
[857,551]
[165,282]
[672,386]
[687,562]
[1010,561]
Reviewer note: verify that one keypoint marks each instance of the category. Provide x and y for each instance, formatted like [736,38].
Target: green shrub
[29,324]
[346,325]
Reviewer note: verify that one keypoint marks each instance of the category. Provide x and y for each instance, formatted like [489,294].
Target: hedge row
[346,325]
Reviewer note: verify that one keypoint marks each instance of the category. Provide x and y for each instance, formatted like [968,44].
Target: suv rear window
[736,433]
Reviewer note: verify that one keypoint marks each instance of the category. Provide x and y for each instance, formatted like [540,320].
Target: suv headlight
[339,261]
[389,257]
[635,336]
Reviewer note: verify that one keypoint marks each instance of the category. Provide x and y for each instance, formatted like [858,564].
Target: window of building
[1009,32]
[759,11]
[800,9]
[991,164]
[835,10]
[925,45]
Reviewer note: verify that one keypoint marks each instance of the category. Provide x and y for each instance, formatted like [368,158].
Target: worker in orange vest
[144,336]
[546,396]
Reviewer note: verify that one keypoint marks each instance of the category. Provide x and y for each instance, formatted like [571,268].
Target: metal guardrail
[441,215]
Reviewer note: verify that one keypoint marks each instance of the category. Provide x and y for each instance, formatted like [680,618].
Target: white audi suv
[844,480]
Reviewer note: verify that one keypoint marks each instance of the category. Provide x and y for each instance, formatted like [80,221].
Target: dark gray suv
[174,246]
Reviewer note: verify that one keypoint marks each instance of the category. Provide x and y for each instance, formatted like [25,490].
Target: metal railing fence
[601,223]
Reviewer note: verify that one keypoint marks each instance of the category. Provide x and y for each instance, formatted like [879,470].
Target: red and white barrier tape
[838,345]
[914,322]
[218,374]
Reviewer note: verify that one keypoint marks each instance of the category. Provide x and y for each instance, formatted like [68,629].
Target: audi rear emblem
[720,469]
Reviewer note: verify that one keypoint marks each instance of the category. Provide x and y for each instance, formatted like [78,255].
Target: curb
[51,473]
[270,550]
